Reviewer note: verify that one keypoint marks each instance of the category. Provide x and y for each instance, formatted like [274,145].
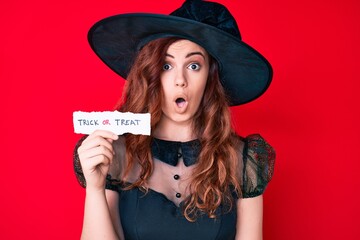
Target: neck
[167,129]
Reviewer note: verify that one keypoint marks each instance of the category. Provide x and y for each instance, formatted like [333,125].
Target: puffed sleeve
[258,166]
[111,184]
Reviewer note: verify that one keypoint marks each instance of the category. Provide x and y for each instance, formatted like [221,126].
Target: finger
[100,150]
[93,162]
[95,142]
[96,151]
[104,134]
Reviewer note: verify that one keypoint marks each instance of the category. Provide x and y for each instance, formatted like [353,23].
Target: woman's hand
[96,153]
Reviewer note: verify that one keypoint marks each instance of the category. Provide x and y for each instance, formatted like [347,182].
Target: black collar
[168,151]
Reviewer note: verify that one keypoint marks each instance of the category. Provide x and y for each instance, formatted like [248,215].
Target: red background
[309,114]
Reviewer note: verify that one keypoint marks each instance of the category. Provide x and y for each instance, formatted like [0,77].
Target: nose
[180,79]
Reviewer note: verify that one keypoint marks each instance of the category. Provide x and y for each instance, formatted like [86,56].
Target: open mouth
[180,102]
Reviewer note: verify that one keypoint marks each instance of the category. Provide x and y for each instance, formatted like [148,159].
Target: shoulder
[257,147]
[257,165]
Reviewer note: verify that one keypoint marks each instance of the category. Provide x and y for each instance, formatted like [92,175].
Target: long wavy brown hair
[216,177]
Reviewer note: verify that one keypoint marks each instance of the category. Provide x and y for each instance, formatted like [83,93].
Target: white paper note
[116,122]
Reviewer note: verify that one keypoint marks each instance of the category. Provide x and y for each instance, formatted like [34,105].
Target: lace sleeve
[258,166]
[111,184]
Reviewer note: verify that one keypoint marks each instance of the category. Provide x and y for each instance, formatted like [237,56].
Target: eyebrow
[188,55]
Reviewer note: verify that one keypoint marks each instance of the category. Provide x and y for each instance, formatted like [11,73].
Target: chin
[182,119]
[179,118]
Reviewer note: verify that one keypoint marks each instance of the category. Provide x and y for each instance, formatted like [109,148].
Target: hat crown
[209,13]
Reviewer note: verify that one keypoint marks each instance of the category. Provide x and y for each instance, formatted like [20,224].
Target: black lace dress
[154,216]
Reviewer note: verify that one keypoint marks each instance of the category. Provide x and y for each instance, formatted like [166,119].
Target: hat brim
[245,74]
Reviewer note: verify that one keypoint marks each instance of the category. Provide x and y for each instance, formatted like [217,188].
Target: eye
[194,66]
[167,67]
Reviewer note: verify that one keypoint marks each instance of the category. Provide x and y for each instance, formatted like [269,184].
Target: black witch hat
[244,73]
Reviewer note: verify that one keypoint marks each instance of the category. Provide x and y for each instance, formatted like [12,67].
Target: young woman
[193,178]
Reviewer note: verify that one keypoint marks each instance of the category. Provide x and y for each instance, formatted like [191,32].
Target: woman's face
[183,80]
